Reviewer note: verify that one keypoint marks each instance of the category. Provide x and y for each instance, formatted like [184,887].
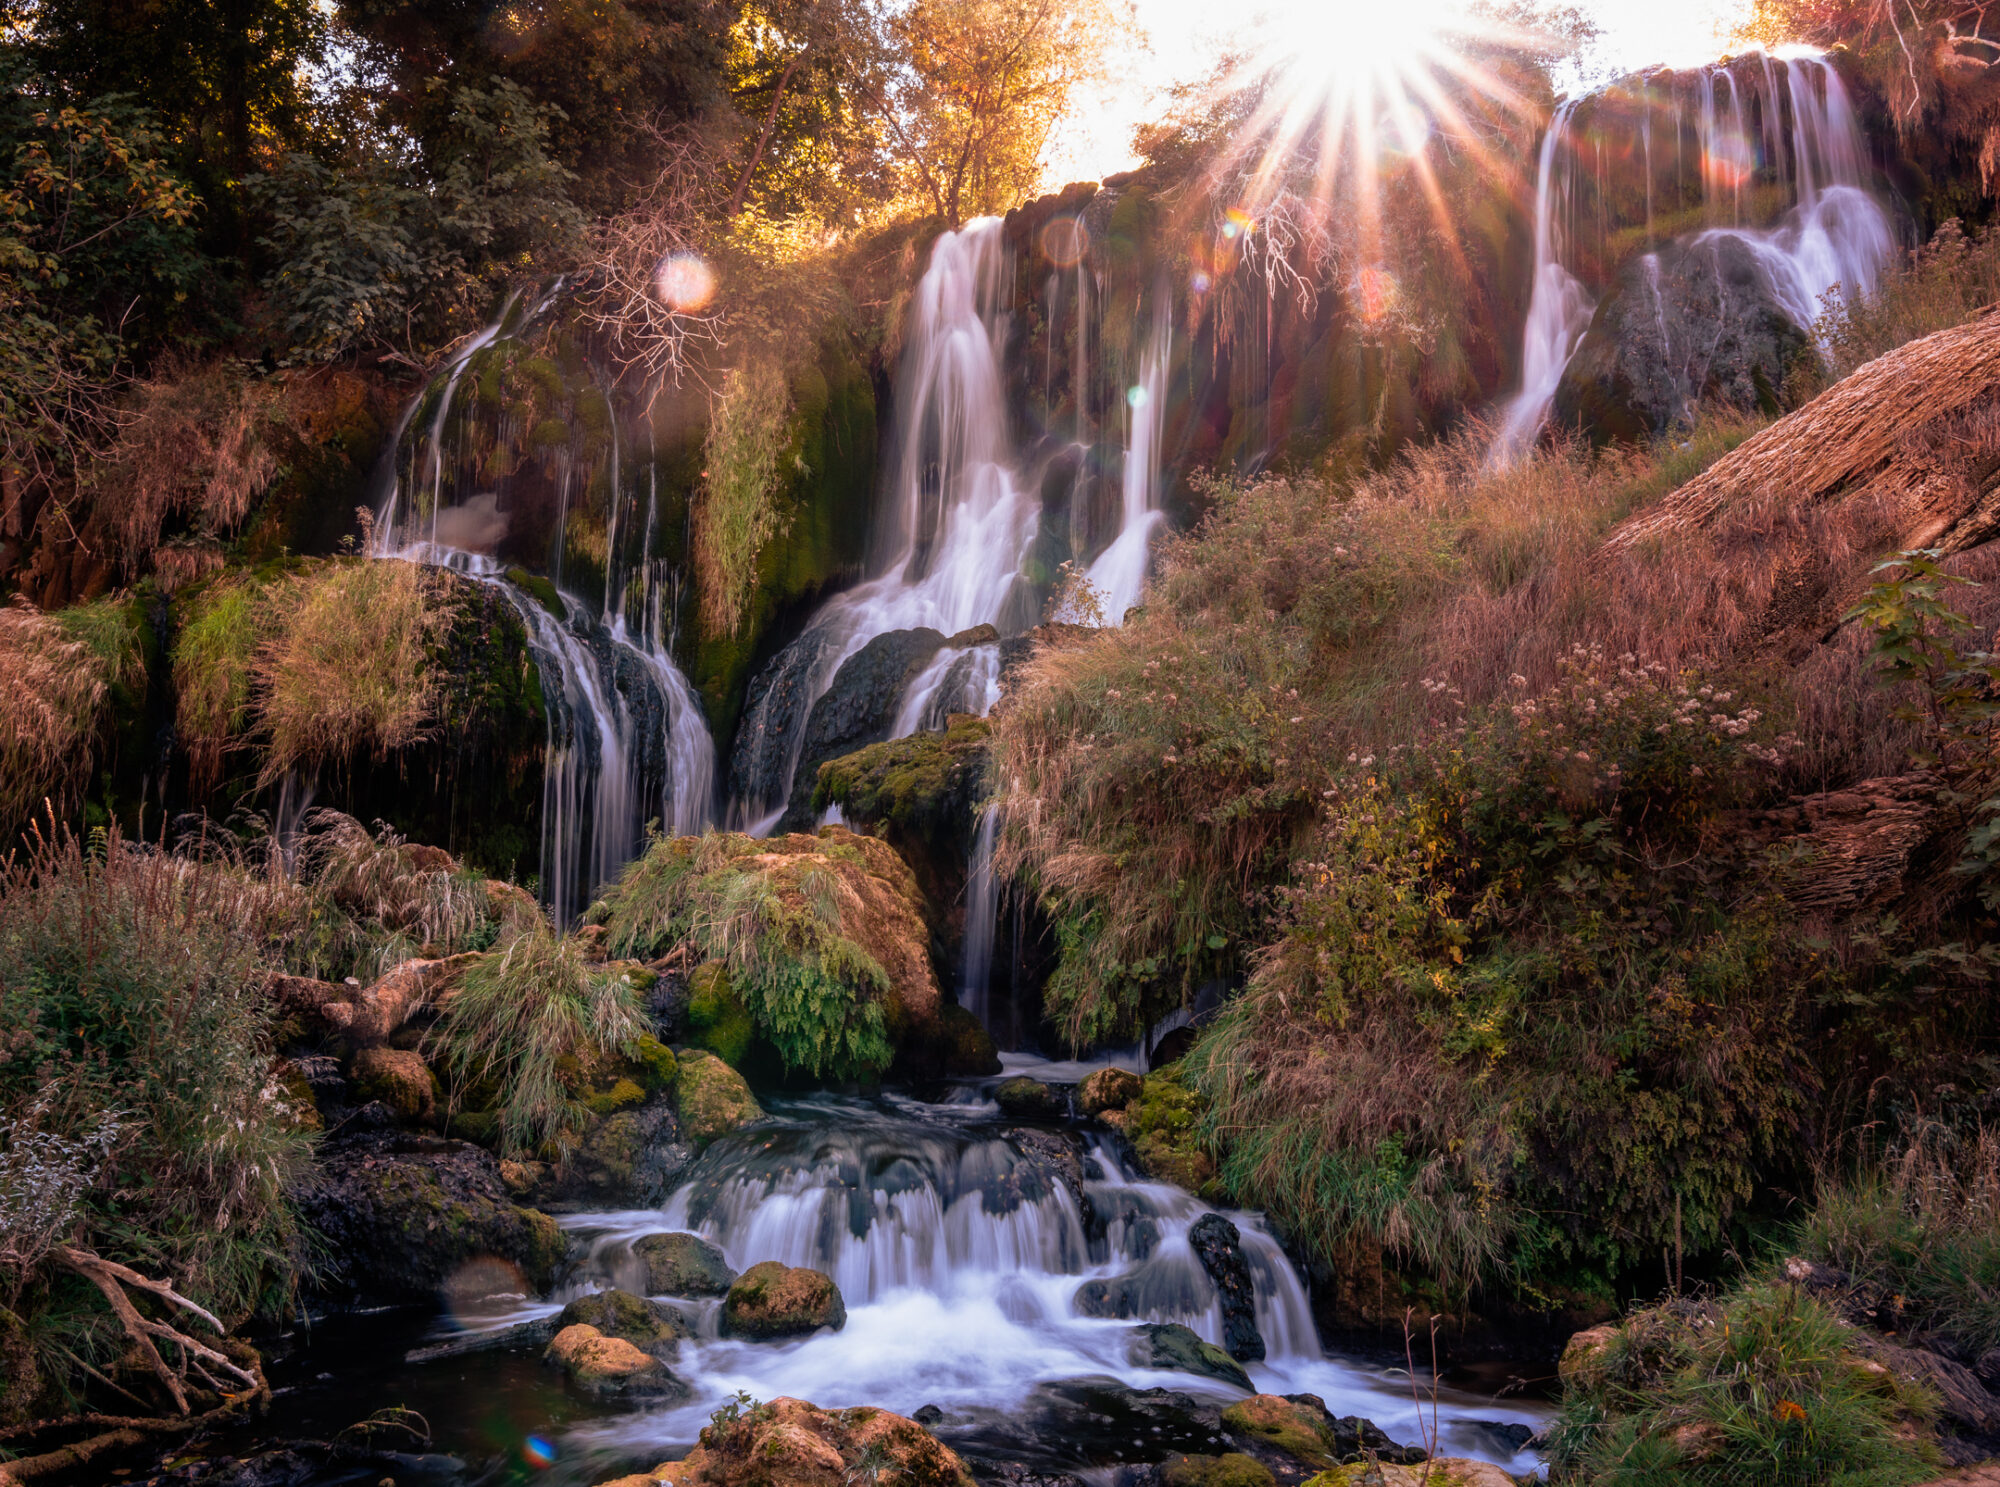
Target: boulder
[1109,1089]
[683,1265]
[789,1443]
[649,1326]
[1690,324]
[1582,1355]
[1172,1346]
[712,1097]
[1028,1099]
[1218,1244]
[398,1078]
[631,1159]
[610,1365]
[772,1300]
[964,1048]
[402,1215]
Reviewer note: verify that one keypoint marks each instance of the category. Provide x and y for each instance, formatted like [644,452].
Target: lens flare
[686,283]
[1065,240]
[539,1452]
[1236,222]
[1136,396]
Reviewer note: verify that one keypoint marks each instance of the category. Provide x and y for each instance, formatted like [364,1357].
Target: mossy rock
[399,1078]
[966,1048]
[657,1067]
[683,1265]
[1028,1098]
[603,1365]
[1169,1345]
[1295,1429]
[771,1301]
[712,1098]
[1162,1125]
[1233,1470]
[1109,1089]
[717,1018]
[480,1127]
[651,1326]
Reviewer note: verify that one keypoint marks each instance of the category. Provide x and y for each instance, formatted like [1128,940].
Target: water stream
[960,1256]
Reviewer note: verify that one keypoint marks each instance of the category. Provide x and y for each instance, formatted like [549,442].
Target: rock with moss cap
[650,1326]
[771,1300]
[790,1443]
[1231,1470]
[400,1079]
[1169,1345]
[1029,1099]
[712,1097]
[603,1365]
[1109,1089]
[682,1265]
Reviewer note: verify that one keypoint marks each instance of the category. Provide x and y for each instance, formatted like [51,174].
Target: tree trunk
[764,138]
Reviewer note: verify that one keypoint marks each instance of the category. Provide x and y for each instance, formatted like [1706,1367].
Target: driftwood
[368,1015]
[113,1280]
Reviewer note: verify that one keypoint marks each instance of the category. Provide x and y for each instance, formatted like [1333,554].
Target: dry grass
[346,671]
[52,692]
[415,897]
[196,448]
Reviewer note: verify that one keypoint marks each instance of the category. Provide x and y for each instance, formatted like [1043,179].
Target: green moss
[622,1095]
[712,1098]
[1165,1129]
[477,1126]
[923,785]
[1291,1428]
[540,590]
[717,1018]
[656,1062]
[550,433]
[1233,1470]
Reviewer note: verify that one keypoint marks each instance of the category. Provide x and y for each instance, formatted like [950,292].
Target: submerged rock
[650,1326]
[599,1364]
[1218,1244]
[402,1215]
[713,1098]
[683,1265]
[1172,1346]
[790,1443]
[773,1300]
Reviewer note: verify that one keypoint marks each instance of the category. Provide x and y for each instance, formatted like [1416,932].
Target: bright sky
[1182,39]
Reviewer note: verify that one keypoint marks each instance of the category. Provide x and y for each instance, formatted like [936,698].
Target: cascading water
[960,521]
[1833,239]
[1119,574]
[960,1250]
[628,742]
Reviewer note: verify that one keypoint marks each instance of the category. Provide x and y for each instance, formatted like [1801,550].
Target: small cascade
[1559,307]
[958,519]
[1119,574]
[628,742]
[1782,121]
[967,1261]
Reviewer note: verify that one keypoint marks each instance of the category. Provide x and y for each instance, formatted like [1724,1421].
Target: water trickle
[627,739]
[1119,573]
[982,914]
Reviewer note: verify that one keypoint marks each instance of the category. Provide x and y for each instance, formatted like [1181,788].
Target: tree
[983,83]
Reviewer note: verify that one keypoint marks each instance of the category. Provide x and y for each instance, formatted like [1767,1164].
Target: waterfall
[1119,574]
[959,519]
[627,740]
[963,1256]
[1559,307]
[1832,241]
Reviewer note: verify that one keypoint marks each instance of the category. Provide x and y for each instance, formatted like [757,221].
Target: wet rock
[789,1443]
[632,1159]
[1172,1346]
[536,1334]
[683,1265]
[1056,1158]
[313,1464]
[1511,1434]
[1350,1438]
[399,1079]
[1116,1299]
[964,1047]
[1299,1428]
[1018,1474]
[402,1215]
[1029,1099]
[1109,1089]
[610,1365]
[1100,1422]
[773,1300]
[650,1326]
[713,1098]
[1693,323]
[1218,1244]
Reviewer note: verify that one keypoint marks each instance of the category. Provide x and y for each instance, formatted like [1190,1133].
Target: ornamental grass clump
[1757,1390]
[803,926]
[53,688]
[530,1021]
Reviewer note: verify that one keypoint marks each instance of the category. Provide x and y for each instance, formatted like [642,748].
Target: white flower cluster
[43,1177]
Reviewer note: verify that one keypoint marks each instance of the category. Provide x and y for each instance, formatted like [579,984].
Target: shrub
[737,513]
[53,686]
[407,899]
[1758,1390]
[346,671]
[136,1059]
[212,659]
[1922,1225]
[792,929]
[533,1020]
